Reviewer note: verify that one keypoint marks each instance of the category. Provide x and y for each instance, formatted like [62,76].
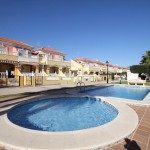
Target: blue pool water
[128,92]
[63,114]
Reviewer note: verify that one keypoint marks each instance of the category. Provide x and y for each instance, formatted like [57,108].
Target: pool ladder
[81,85]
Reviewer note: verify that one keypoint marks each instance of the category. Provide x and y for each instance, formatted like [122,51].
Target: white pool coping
[17,138]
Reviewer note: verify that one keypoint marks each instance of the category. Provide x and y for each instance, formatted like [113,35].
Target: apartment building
[95,70]
[16,58]
[20,59]
[52,62]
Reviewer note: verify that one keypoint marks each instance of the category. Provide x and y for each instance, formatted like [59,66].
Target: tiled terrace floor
[140,139]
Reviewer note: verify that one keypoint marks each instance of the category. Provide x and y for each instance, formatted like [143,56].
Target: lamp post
[107,70]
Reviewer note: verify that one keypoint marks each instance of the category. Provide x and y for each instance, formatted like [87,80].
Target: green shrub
[140,69]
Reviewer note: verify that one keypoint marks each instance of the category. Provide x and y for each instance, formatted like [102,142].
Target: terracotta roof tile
[97,62]
[89,61]
[14,42]
[84,59]
[50,50]
[100,63]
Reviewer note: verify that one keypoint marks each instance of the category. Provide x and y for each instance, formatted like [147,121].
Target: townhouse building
[20,59]
[95,70]
[52,62]
[16,58]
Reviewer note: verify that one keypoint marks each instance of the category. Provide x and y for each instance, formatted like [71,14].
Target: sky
[117,31]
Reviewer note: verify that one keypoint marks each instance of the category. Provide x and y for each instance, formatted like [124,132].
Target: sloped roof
[14,42]
[89,61]
[84,60]
[51,50]
[100,63]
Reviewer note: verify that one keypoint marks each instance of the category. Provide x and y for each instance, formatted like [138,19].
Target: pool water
[128,92]
[63,114]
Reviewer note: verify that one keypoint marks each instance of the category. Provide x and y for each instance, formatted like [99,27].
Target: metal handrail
[81,84]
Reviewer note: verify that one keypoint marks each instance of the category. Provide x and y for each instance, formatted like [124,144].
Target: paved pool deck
[17,90]
[139,138]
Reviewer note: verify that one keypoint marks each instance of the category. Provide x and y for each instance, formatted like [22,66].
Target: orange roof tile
[98,62]
[89,61]
[84,60]
[50,50]
[14,42]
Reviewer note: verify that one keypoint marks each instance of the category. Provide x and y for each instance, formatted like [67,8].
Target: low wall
[57,81]
[3,81]
[51,81]
[65,81]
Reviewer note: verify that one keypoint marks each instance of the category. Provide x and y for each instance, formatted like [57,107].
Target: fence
[9,82]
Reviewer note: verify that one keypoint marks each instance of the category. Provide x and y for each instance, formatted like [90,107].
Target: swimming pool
[127,92]
[63,114]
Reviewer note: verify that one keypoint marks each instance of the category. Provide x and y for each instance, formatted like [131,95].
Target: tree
[146,58]
[140,69]
[144,66]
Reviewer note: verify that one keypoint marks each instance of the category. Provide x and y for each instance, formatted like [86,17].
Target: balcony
[55,59]
[43,60]
[94,68]
[4,55]
[104,68]
[28,58]
[59,63]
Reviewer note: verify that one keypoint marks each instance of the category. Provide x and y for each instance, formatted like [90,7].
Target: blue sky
[113,30]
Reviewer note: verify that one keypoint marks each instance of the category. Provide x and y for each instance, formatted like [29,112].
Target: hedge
[140,69]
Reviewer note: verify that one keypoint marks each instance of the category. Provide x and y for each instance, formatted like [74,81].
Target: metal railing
[28,58]
[53,75]
[27,74]
[9,53]
[3,74]
[80,85]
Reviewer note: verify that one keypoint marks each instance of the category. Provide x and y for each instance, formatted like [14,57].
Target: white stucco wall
[132,76]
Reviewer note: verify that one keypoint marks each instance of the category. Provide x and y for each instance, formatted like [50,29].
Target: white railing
[67,74]
[52,78]
[9,53]
[28,59]
[27,73]
[53,75]
[3,74]
[3,52]
[59,59]
[55,59]
[38,74]
[66,78]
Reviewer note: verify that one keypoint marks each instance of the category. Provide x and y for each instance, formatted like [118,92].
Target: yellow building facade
[20,59]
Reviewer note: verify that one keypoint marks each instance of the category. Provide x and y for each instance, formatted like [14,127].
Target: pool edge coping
[85,131]
[144,102]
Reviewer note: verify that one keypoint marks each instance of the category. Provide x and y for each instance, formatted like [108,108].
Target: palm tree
[145,58]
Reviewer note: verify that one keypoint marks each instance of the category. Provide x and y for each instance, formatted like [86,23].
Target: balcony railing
[28,58]
[9,53]
[63,63]
[27,73]
[53,75]
[3,52]
[56,59]
[3,74]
